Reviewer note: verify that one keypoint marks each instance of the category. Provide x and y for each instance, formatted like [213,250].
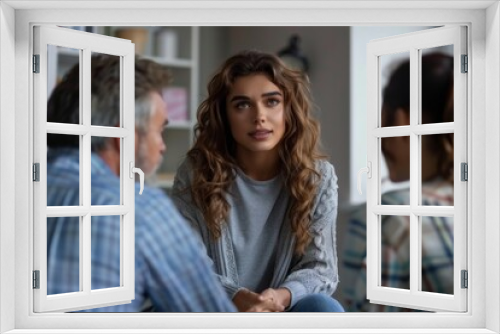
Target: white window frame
[482,19]
[85,43]
[414,43]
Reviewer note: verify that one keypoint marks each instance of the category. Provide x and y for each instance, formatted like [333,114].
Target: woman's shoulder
[327,174]
[184,171]
[185,165]
[326,194]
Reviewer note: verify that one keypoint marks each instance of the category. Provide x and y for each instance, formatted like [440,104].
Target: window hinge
[465,279]
[36,63]
[465,64]
[36,172]
[464,171]
[36,279]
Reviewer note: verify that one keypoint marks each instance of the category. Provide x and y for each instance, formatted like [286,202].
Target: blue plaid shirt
[171,272]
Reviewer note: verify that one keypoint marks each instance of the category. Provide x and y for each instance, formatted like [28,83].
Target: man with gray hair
[172,273]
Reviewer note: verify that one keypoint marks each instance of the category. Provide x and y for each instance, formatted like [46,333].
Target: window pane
[395,173]
[437,254]
[105,234]
[437,169]
[63,255]
[63,170]
[106,175]
[62,62]
[106,106]
[395,84]
[437,85]
[395,252]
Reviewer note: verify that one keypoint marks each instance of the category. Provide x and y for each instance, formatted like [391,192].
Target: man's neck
[112,159]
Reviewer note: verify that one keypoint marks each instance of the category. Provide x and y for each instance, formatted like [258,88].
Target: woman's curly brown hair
[213,154]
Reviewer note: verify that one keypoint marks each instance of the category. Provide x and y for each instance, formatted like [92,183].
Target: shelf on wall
[178,62]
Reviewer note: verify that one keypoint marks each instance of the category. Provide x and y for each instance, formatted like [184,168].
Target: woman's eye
[242,105]
[273,102]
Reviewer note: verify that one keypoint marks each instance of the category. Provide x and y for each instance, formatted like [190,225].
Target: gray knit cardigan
[314,271]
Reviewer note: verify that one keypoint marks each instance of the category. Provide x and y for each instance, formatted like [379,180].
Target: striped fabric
[171,273]
[437,249]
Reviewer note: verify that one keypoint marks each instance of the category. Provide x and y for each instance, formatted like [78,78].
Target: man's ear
[401,117]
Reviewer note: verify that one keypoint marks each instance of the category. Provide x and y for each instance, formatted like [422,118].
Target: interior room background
[337,72]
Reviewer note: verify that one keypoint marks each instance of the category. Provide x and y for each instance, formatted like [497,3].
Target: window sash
[413,298]
[86,43]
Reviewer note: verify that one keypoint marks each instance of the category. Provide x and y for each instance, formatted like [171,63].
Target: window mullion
[433,129]
[104,131]
[415,164]
[82,183]
[86,274]
[406,210]
[372,188]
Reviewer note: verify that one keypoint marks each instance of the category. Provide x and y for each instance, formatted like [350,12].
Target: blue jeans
[317,302]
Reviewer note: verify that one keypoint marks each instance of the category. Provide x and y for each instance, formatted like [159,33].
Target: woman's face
[256,114]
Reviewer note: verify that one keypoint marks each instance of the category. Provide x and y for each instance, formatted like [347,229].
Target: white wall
[492,160]
[7,167]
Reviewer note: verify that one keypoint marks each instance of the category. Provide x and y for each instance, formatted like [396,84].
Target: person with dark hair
[171,271]
[437,190]
[257,190]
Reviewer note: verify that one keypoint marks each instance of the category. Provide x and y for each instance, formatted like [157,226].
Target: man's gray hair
[101,116]
[63,105]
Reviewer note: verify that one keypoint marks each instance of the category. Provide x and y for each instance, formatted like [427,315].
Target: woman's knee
[318,303]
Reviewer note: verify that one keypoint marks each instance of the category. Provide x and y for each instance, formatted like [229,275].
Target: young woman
[258,192]
[437,190]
